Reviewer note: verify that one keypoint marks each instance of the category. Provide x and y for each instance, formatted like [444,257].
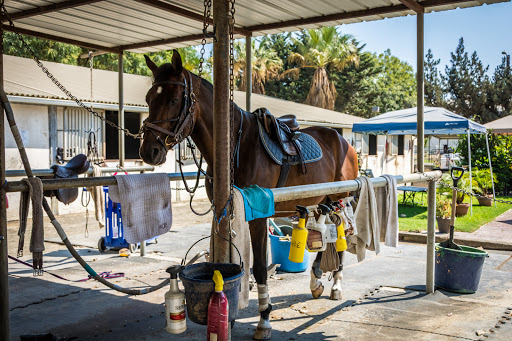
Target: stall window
[132,123]
[372,144]
[397,145]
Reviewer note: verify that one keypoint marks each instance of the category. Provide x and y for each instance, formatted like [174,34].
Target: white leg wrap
[314,283]
[263,298]
[337,278]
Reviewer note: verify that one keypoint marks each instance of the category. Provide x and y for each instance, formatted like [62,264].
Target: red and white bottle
[218,311]
[175,304]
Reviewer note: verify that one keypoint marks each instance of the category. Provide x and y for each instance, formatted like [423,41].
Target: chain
[184,189]
[231,98]
[91,64]
[59,85]
[206,24]
[471,194]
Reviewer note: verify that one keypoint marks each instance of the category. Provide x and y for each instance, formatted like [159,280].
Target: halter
[185,118]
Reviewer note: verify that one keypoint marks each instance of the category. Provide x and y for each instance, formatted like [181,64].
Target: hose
[28,170]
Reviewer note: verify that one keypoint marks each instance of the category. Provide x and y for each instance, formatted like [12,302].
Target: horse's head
[171,102]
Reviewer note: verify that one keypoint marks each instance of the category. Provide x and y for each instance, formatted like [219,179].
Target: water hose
[28,170]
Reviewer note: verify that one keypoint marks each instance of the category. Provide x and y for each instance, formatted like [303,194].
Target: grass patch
[416,217]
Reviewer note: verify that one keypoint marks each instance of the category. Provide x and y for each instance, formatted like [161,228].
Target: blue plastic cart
[114,234]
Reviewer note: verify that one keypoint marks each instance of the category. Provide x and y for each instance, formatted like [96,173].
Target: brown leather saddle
[77,165]
[284,129]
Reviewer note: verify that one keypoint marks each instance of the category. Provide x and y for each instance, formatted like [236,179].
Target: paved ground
[383,296]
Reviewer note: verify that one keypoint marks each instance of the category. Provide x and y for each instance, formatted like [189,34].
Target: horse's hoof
[318,291]
[335,295]
[262,333]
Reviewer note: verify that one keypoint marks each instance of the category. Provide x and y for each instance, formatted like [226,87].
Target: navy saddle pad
[311,150]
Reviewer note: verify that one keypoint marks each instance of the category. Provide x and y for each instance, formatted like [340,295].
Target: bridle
[184,120]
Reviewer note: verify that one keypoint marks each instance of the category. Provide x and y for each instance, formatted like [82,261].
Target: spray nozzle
[218,280]
[174,270]
[303,211]
[324,209]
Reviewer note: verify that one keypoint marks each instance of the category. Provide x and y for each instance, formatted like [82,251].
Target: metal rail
[49,172]
[51,184]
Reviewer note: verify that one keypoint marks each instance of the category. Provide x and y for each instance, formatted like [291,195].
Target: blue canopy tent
[438,121]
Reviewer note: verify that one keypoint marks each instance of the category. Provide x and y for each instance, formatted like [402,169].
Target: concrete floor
[383,298]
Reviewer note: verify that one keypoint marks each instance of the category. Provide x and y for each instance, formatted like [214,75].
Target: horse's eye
[174,101]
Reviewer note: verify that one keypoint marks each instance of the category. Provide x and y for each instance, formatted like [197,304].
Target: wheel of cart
[114,233]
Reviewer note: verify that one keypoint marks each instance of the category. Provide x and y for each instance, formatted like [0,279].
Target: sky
[486,29]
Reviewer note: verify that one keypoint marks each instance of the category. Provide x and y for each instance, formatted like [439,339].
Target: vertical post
[248,72]
[52,130]
[420,94]
[4,279]
[221,128]
[120,117]
[431,231]
[470,175]
[490,166]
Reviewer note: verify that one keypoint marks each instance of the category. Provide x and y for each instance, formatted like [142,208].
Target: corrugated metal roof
[22,77]
[501,126]
[127,24]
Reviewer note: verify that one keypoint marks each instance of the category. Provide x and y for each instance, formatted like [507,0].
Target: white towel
[387,205]
[368,230]
[145,205]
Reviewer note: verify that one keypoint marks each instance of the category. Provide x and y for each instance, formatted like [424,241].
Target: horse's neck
[203,129]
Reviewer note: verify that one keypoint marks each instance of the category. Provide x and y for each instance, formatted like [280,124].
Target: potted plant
[443,213]
[461,208]
[484,181]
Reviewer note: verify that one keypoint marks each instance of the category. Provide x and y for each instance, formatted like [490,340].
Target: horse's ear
[176,61]
[152,66]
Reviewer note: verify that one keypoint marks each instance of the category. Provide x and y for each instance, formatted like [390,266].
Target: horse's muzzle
[153,153]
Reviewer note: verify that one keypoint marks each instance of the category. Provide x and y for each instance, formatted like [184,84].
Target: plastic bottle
[317,238]
[341,242]
[299,237]
[175,304]
[218,311]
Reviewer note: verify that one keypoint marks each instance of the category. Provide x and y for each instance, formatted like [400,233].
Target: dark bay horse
[180,105]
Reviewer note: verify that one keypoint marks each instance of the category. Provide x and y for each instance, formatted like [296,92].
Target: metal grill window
[77,124]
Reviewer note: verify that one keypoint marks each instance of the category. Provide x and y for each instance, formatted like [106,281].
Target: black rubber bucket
[199,286]
[459,271]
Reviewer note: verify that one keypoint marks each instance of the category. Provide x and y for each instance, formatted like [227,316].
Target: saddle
[285,144]
[77,165]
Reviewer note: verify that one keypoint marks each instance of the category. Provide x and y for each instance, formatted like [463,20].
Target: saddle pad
[311,150]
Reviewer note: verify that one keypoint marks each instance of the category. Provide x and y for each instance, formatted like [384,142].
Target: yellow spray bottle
[341,242]
[299,236]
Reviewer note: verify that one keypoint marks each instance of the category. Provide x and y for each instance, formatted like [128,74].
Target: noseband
[184,120]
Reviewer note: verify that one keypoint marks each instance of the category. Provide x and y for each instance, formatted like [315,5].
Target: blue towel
[258,202]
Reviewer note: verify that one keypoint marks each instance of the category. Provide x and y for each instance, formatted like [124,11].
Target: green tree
[434,93]
[325,51]
[266,65]
[501,93]
[467,85]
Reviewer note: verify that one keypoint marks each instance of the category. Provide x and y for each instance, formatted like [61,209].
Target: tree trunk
[322,92]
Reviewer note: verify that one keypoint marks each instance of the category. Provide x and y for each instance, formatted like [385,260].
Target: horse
[180,105]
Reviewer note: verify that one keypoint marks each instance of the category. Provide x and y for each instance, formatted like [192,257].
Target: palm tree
[266,65]
[326,51]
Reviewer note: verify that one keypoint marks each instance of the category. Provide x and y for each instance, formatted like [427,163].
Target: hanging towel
[258,202]
[97,197]
[34,194]
[145,205]
[243,242]
[368,230]
[387,205]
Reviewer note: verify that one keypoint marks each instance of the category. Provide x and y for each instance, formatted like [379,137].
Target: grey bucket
[198,283]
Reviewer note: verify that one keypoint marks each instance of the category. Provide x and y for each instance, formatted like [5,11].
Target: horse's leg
[316,286]
[258,228]
[336,291]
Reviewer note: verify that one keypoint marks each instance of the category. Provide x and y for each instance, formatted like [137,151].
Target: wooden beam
[185,13]
[412,4]
[47,9]
[61,39]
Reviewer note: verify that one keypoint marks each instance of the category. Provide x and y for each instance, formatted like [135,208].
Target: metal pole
[431,231]
[420,94]
[221,128]
[120,117]
[4,275]
[248,72]
[490,166]
[470,175]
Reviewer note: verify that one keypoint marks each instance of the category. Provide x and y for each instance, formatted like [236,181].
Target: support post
[4,278]
[120,116]
[431,231]
[52,130]
[490,166]
[470,175]
[420,90]
[221,128]
[248,72]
